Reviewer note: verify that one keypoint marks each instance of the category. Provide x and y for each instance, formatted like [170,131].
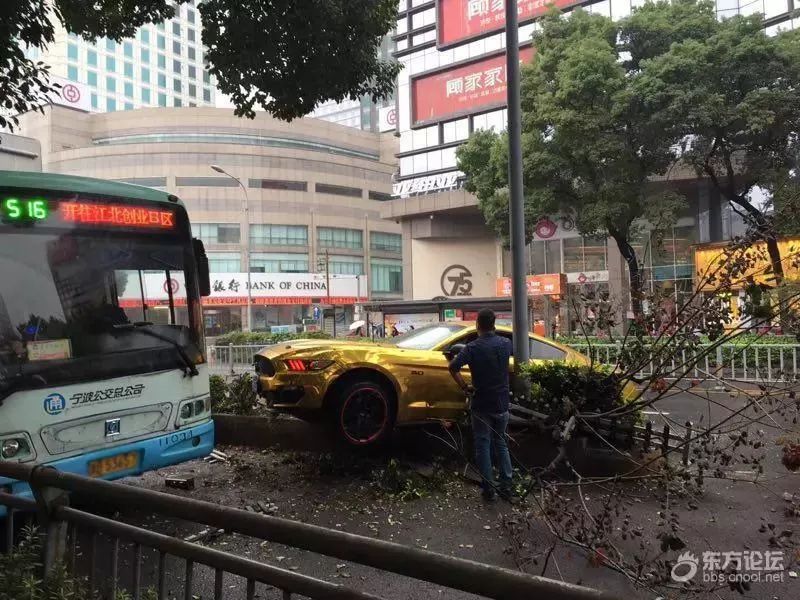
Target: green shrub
[234,396]
[589,388]
[244,338]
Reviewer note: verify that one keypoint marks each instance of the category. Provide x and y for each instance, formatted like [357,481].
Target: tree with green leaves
[732,99]
[609,106]
[281,55]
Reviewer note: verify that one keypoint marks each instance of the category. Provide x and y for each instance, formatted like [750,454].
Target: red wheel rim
[364,415]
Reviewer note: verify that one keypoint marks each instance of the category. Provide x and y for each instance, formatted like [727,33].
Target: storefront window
[218,233]
[553,257]
[279,235]
[594,254]
[333,237]
[224,262]
[278,263]
[573,255]
[386,275]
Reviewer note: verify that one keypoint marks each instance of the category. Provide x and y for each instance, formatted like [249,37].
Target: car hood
[315,345]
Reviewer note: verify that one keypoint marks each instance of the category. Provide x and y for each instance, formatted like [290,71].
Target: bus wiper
[190,367]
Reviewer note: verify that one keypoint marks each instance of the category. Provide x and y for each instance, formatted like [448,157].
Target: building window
[111,45]
[275,184]
[176,66]
[95,102]
[192,90]
[162,99]
[91,58]
[127,69]
[72,52]
[192,72]
[145,75]
[144,35]
[191,53]
[346,265]
[190,16]
[219,233]
[111,104]
[338,190]
[206,76]
[127,49]
[162,80]
[388,242]
[176,48]
[162,61]
[386,275]
[91,78]
[128,87]
[207,95]
[176,85]
[224,262]
[145,55]
[111,84]
[261,262]
[145,96]
[279,235]
[111,64]
[176,28]
[128,106]
[379,196]
[162,42]
[334,237]
[205,182]
[191,35]
[177,103]
[72,73]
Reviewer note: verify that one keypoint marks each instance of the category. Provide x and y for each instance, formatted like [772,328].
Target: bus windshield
[72,306]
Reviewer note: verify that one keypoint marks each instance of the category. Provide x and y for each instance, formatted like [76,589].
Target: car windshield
[426,338]
[72,308]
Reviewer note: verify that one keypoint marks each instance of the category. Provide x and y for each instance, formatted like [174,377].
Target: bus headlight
[15,447]
[193,410]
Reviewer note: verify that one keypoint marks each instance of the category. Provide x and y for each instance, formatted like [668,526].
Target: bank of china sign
[266,289]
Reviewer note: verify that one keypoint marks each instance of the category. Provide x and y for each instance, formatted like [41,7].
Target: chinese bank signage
[268,289]
[538,285]
[459,21]
[70,94]
[471,87]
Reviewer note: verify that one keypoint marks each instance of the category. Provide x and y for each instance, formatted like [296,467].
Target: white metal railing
[751,362]
[743,362]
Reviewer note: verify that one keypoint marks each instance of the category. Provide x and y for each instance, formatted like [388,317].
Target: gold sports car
[367,388]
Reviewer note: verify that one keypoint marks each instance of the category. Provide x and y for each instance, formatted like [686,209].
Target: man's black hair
[486,319]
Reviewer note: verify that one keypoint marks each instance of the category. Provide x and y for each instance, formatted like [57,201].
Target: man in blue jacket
[488,357]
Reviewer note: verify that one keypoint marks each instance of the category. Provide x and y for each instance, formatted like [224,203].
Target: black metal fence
[61,525]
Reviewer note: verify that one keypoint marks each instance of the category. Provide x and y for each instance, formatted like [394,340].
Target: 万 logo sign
[456,280]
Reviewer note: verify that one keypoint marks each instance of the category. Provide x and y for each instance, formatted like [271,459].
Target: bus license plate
[113,464]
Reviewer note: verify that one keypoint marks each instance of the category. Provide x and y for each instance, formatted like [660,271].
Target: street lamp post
[218,169]
[519,287]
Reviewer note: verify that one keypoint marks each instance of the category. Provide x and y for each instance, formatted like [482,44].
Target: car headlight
[15,447]
[300,365]
[190,411]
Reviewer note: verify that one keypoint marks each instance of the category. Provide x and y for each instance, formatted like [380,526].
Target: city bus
[94,378]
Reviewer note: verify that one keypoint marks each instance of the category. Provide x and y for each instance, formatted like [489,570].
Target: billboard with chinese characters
[471,87]
[549,284]
[459,21]
[268,289]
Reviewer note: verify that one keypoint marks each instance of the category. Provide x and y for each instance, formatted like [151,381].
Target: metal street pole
[519,288]
[218,169]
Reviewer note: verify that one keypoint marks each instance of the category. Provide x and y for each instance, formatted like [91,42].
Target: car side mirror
[454,351]
[203,275]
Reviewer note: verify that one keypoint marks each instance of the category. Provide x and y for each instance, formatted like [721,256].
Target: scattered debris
[216,456]
[181,482]
[204,535]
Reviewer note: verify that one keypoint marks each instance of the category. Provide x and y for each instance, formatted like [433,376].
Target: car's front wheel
[365,414]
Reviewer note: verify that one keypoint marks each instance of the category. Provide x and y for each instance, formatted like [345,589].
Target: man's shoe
[489,496]
[509,496]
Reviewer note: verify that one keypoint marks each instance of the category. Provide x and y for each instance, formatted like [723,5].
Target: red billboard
[461,89]
[460,20]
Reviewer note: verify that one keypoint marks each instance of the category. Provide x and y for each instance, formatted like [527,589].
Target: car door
[445,399]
